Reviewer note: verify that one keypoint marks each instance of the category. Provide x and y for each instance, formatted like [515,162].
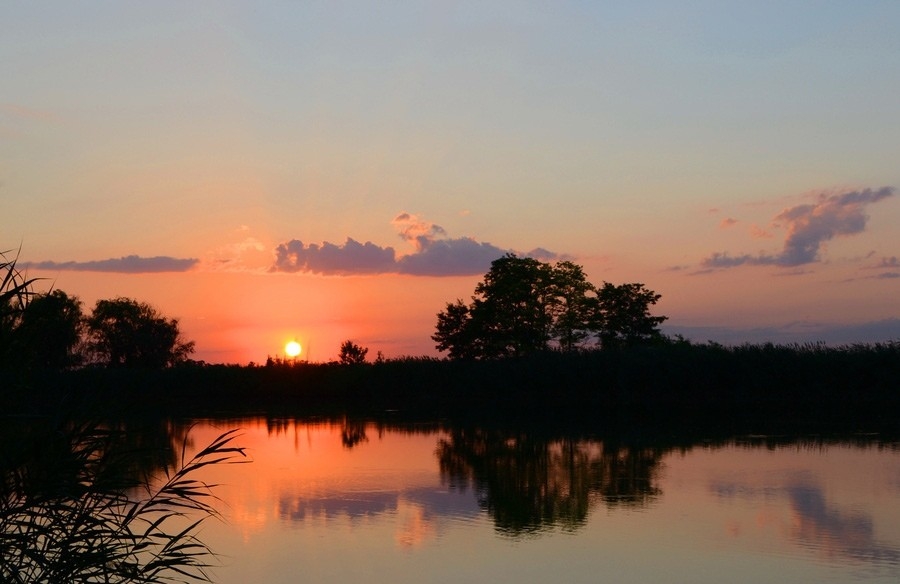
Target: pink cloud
[127,265]
[757,232]
[435,254]
[727,222]
[809,227]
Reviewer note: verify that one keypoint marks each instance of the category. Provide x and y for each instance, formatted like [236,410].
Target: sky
[324,171]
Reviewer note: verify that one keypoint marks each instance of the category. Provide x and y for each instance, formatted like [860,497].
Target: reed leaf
[14,285]
[84,524]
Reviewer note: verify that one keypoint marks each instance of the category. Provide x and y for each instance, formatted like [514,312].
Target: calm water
[351,502]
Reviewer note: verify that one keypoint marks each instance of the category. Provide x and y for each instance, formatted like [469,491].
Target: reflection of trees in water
[353,432]
[84,503]
[528,483]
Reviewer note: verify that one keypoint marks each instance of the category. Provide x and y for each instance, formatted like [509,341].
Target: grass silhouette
[70,510]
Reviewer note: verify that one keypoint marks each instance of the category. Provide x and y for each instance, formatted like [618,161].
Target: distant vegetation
[537,340]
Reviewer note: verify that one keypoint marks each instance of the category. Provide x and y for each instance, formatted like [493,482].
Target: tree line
[50,330]
[522,306]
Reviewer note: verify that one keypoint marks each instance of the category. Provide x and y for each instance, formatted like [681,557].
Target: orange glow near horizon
[245,317]
[237,317]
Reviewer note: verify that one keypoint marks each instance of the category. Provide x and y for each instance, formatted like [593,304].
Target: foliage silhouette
[524,306]
[352,354]
[126,333]
[667,384]
[73,510]
[50,331]
[623,316]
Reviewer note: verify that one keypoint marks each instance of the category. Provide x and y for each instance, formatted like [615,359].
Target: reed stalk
[74,516]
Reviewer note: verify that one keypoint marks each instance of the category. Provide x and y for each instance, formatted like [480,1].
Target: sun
[292,349]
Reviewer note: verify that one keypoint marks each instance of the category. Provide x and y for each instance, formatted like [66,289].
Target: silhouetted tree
[524,305]
[513,306]
[623,316]
[127,333]
[50,331]
[352,353]
[510,314]
[455,333]
[573,305]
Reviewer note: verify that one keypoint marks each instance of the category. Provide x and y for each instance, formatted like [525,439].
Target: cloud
[126,265]
[416,231]
[723,260]
[450,257]
[886,263]
[727,222]
[888,268]
[757,232]
[545,255]
[808,227]
[350,258]
[248,254]
[434,254]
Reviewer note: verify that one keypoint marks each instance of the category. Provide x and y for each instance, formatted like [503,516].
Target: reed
[15,287]
[69,512]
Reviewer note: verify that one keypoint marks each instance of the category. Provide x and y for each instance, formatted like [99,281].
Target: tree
[456,333]
[50,331]
[351,353]
[127,333]
[524,305]
[574,303]
[623,316]
[512,310]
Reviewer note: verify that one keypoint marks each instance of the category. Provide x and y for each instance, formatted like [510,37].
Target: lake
[344,501]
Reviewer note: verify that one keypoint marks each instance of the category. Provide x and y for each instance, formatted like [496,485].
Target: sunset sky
[322,171]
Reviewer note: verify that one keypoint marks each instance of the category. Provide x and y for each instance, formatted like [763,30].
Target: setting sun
[292,349]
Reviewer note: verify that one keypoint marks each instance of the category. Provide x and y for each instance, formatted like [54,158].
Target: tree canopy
[126,333]
[624,314]
[525,305]
[50,331]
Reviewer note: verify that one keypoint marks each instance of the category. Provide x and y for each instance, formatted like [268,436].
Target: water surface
[342,502]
